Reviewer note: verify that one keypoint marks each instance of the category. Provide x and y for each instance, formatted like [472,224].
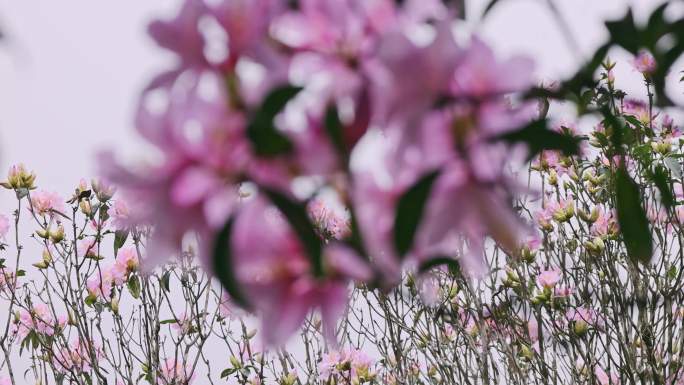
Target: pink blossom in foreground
[4,226]
[120,214]
[645,63]
[274,273]
[549,278]
[45,202]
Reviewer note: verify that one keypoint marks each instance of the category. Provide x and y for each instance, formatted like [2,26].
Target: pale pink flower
[8,279]
[87,247]
[605,225]
[127,258]
[549,278]
[348,363]
[5,381]
[645,63]
[120,214]
[45,202]
[328,223]
[562,291]
[533,330]
[39,319]
[639,109]
[76,357]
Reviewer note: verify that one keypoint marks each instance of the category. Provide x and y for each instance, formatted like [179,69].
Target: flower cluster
[270,96]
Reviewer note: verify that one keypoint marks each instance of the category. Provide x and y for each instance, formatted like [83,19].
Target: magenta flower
[645,63]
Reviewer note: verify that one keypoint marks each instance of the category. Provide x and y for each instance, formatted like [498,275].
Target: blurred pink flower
[39,319]
[76,357]
[604,378]
[174,371]
[275,274]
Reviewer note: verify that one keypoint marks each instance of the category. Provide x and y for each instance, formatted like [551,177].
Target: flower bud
[235,362]
[103,191]
[115,305]
[47,257]
[57,235]
[43,233]
[86,207]
[580,328]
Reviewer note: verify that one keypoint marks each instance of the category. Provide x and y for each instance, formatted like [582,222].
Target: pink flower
[275,274]
[127,258]
[8,279]
[533,330]
[87,247]
[549,278]
[345,364]
[39,319]
[4,226]
[328,223]
[645,63]
[605,225]
[44,202]
[100,284]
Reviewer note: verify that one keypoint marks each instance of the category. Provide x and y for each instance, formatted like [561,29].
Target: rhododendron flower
[639,109]
[645,63]
[8,279]
[101,283]
[87,247]
[549,278]
[4,226]
[128,259]
[276,277]
[45,202]
[39,319]
[328,223]
[120,215]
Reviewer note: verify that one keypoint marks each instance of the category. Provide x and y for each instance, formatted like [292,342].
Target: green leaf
[265,138]
[222,263]
[489,7]
[624,33]
[297,216]
[133,285]
[451,263]
[538,137]
[168,321]
[409,212]
[165,281]
[227,372]
[632,218]
[661,179]
[120,237]
[334,129]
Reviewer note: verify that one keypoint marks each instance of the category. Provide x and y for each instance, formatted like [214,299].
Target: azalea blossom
[549,278]
[645,63]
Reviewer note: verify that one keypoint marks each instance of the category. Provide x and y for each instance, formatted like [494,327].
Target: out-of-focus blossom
[120,215]
[104,191]
[638,109]
[8,279]
[87,247]
[328,223]
[549,278]
[645,63]
[46,202]
[275,273]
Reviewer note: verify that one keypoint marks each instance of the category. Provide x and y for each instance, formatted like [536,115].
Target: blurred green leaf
[661,179]
[134,286]
[632,219]
[538,137]
[222,264]
[298,217]
[265,138]
[120,237]
[409,212]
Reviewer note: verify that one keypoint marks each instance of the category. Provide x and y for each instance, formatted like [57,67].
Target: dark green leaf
[165,281]
[632,218]
[120,237]
[409,212]
[661,180]
[538,138]
[262,132]
[297,216]
[222,263]
[334,128]
[168,321]
[134,286]
[451,263]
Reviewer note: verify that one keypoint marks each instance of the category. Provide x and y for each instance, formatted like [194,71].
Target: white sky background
[71,70]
